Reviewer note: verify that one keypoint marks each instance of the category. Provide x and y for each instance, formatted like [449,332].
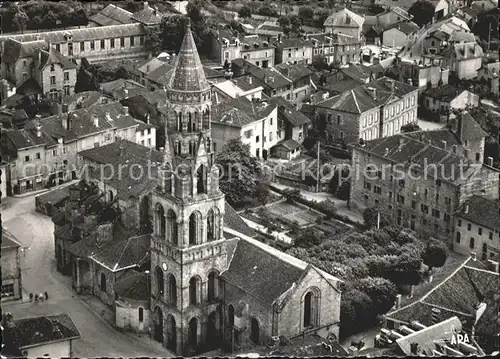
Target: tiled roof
[8,240]
[233,220]
[334,39]
[161,74]
[294,72]
[294,43]
[340,19]
[240,111]
[406,27]
[482,211]
[188,74]
[260,273]
[446,92]
[85,99]
[82,123]
[83,34]
[357,72]
[124,252]
[268,77]
[151,65]
[119,84]
[459,295]
[24,332]
[133,285]
[288,111]
[462,36]
[112,15]
[55,57]
[54,196]
[128,183]
[26,138]
[148,16]
[289,145]
[14,50]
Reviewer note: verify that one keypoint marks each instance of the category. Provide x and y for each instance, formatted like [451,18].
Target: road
[98,338]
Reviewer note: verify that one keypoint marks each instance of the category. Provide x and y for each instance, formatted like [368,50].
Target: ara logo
[460,338]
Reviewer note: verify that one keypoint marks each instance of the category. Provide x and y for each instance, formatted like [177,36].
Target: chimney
[401,142]
[493,265]
[398,301]
[125,93]
[393,84]
[125,110]
[454,148]
[146,6]
[147,118]
[414,348]
[411,292]
[435,315]
[490,161]
[443,144]
[38,130]
[108,116]
[95,120]
[250,80]
[373,92]
[473,256]
[386,152]
[466,208]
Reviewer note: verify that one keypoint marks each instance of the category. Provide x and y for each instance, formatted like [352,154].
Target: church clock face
[164,266]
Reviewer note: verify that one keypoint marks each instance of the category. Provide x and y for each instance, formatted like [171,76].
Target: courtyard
[98,337]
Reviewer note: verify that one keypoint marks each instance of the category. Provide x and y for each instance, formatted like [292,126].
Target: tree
[285,23]
[266,10]
[410,127]
[307,238]
[320,17]
[381,291]
[422,11]
[85,81]
[306,14]
[435,254]
[79,18]
[21,20]
[245,12]
[199,26]
[355,312]
[344,191]
[335,65]
[486,23]
[166,37]
[319,63]
[371,217]
[242,174]
[295,23]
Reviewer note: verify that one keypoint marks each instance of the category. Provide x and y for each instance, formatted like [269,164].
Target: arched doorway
[254,331]
[201,179]
[171,334]
[172,289]
[485,252]
[159,282]
[193,334]
[212,331]
[158,325]
[310,309]
[194,290]
[161,227]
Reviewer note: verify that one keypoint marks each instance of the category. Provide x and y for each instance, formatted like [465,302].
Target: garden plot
[294,213]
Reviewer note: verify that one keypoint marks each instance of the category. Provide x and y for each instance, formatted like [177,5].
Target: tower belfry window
[179,122]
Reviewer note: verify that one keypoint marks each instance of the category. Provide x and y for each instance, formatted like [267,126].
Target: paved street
[99,338]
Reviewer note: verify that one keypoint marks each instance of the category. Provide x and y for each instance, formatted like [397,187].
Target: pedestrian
[40,296]
[46,295]
[31,297]
[36,297]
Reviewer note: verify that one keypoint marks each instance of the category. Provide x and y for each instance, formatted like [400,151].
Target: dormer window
[52,68]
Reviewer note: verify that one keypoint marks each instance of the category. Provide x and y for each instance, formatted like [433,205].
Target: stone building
[345,22]
[369,111]
[336,47]
[294,50]
[419,180]
[210,282]
[11,267]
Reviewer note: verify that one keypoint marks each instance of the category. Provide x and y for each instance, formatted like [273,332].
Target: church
[167,251]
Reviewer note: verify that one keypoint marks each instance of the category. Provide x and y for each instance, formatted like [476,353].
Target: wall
[291,319]
[3,180]
[221,133]
[394,37]
[350,31]
[44,80]
[467,69]
[127,315]
[266,132]
[11,271]
[301,55]
[369,125]
[142,137]
[489,237]
[60,349]
[257,57]
[348,130]
[335,52]
[398,113]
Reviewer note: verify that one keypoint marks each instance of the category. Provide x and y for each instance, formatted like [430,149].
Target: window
[401,199]
[38,155]
[52,68]
[103,283]
[390,194]
[122,42]
[480,231]
[368,185]
[469,226]
[70,49]
[66,75]
[270,136]
[338,119]
[257,139]
[82,46]
[437,197]
[66,90]
[478,157]
[254,331]
[54,152]
[436,213]
[471,243]
[458,237]
[58,47]
[92,45]
[7,290]
[194,290]
[103,44]
[491,235]
[413,204]
[447,200]
[141,315]
[424,208]
[141,40]
[459,223]
[413,101]
[446,217]
[112,43]
[26,158]
[149,142]
[426,192]
[160,289]
[52,80]
[377,189]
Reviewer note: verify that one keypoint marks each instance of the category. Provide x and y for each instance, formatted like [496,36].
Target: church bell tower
[188,246]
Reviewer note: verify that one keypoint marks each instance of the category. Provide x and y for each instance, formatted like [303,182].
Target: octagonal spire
[188,74]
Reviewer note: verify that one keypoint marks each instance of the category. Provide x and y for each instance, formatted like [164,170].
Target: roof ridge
[355,100]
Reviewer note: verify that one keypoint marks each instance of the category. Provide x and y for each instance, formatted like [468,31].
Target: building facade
[294,51]
[336,47]
[11,267]
[345,22]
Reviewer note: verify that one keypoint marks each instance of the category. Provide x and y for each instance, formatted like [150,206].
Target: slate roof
[268,77]
[161,74]
[336,39]
[26,138]
[112,15]
[86,98]
[23,333]
[295,42]
[339,19]
[29,87]
[14,50]
[83,34]
[462,36]
[151,65]
[294,72]
[188,74]
[124,253]
[234,221]
[8,240]
[357,72]
[55,57]
[482,211]
[134,285]
[458,295]
[289,113]
[240,111]
[289,145]
[243,82]
[445,93]
[148,16]
[54,196]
